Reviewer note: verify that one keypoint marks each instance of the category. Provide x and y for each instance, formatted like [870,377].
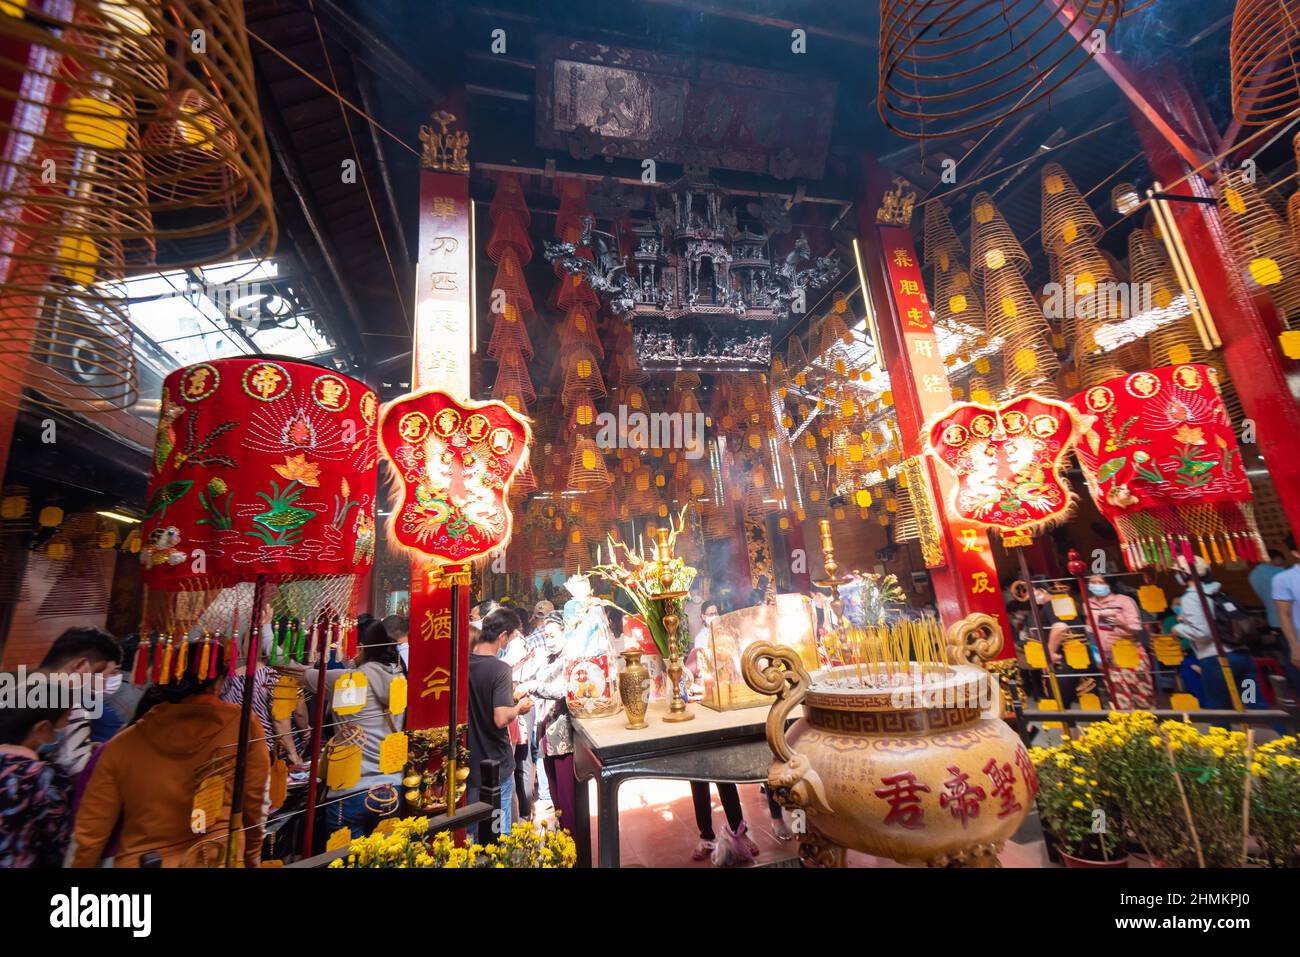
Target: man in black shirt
[492,706]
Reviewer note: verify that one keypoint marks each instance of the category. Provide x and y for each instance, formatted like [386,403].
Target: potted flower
[1275,804]
[406,843]
[1080,815]
[1139,765]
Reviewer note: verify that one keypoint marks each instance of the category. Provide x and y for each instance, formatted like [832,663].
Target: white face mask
[111,684]
[404,649]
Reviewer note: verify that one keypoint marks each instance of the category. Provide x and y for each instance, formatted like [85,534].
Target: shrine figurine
[592,664]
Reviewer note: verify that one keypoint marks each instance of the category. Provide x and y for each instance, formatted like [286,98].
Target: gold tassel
[1214,547]
[165,676]
[181,658]
[1232,552]
[1200,542]
[205,657]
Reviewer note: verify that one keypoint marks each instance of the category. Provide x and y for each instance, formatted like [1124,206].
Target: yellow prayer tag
[1089,702]
[1183,702]
[1152,599]
[208,800]
[1168,650]
[1049,704]
[392,753]
[1076,653]
[1064,606]
[397,695]
[386,825]
[279,784]
[1125,654]
[350,693]
[284,697]
[339,839]
[1034,656]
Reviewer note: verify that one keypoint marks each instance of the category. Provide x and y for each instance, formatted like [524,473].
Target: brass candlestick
[831,581]
[664,553]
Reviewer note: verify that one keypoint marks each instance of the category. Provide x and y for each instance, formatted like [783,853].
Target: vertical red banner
[441,360]
[969,583]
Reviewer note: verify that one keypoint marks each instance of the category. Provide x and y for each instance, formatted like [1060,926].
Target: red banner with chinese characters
[1007,461]
[968,581]
[441,360]
[1164,468]
[260,468]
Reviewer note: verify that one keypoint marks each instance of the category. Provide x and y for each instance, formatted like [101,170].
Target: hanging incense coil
[1175,341]
[510,281]
[577,556]
[1264,54]
[1016,319]
[629,369]
[582,371]
[509,332]
[509,235]
[992,243]
[582,412]
[580,326]
[508,199]
[949,68]
[957,305]
[1125,198]
[513,385]
[141,121]
[1261,243]
[1067,217]
[587,468]
[940,241]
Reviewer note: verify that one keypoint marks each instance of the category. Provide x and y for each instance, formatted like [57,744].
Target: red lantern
[1164,468]
[1007,461]
[260,468]
[453,463]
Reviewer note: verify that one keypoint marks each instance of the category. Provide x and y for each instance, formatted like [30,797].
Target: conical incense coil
[1125,198]
[1175,341]
[941,243]
[587,469]
[513,380]
[1261,243]
[582,371]
[580,326]
[1015,318]
[508,199]
[509,333]
[168,134]
[957,305]
[992,244]
[950,68]
[1067,217]
[1264,54]
[796,361]
[629,369]
[509,236]
[510,281]
[582,412]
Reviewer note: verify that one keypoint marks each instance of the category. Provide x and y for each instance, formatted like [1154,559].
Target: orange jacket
[146,778]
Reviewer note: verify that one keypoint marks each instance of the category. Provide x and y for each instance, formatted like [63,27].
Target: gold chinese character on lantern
[437,683]
[435,627]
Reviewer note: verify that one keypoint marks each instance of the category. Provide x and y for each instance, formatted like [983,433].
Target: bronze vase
[632,688]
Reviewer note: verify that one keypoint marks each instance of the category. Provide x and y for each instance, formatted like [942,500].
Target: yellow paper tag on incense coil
[284,697]
[1076,653]
[1089,702]
[1152,598]
[350,693]
[279,783]
[1183,702]
[1125,654]
[1034,656]
[339,839]
[392,753]
[208,800]
[397,695]
[1169,651]
[343,767]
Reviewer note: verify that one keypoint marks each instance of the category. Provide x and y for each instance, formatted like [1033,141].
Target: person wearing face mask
[1117,619]
[35,814]
[554,729]
[93,656]
[399,631]
[1057,632]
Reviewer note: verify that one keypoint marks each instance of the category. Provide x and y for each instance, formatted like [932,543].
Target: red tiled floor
[657,824]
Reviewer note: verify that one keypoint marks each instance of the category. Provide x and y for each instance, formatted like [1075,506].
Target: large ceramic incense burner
[899,762]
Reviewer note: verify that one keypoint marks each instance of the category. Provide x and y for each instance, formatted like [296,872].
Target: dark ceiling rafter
[712,9]
[344,331]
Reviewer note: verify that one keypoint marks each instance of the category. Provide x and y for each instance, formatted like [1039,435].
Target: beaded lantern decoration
[949,68]
[1264,53]
[262,470]
[1163,466]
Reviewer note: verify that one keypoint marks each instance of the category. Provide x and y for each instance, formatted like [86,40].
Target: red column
[967,582]
[1250,347]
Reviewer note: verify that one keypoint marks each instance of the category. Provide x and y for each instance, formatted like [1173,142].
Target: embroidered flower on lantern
[300,432]
[296,468]
[1189,435]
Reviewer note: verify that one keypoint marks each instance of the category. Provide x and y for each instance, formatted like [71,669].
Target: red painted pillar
[1250,348]
[967,582]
